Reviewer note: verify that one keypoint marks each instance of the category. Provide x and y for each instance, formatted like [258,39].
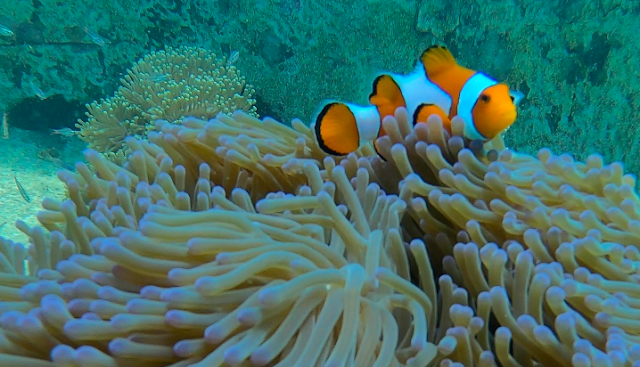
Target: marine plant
[236,241]
[168,84]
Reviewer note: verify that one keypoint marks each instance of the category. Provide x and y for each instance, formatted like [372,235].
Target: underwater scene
[319,183]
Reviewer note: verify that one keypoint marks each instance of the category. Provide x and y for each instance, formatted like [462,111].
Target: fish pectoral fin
[337,130]
[425,110]
[386,95]
[436,59]
[516,96]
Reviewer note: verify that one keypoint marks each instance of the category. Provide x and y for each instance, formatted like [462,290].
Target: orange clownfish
[437,86]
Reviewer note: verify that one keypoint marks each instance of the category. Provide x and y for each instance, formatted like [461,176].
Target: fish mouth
[505,119]
[508,117]
[499,121]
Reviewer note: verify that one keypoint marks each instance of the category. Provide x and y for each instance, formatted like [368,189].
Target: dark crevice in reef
[595,58]
[101,60]
[590,63]
[37,114]
[264,109]
[224,7]
[36,5]
[156,34]
[16,74]
[553,118]
[272,48]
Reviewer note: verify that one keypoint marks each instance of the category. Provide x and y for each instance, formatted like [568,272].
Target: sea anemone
[236,241]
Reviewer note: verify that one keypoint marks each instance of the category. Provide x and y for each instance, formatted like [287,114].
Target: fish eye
[512,98]
[485,98]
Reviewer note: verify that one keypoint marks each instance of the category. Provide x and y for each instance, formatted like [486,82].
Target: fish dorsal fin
[436,59]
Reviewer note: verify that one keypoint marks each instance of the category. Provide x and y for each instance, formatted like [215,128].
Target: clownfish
[439,86]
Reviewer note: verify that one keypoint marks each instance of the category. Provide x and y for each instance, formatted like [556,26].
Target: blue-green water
[529,263]
[575,60]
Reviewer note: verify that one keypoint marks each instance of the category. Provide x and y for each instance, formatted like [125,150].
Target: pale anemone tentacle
[236,241]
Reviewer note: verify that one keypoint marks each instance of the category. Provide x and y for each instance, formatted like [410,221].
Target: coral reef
[169,85]
[236,241]
[575,60]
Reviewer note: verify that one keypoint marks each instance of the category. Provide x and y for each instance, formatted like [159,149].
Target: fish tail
[342,128]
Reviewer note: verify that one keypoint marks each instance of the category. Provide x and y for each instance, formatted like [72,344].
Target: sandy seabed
[19,159]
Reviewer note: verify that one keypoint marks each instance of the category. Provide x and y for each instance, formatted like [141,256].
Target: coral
[237,241]
[170,85]
[280,44]
[574,60]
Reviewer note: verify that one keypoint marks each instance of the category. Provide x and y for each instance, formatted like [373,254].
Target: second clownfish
[437,86]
